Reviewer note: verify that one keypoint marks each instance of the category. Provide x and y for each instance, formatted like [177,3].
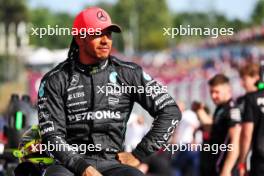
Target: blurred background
[183,63]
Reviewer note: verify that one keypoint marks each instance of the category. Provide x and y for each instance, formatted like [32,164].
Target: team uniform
[254,112]
[225,116]
[241,104]
[75,108]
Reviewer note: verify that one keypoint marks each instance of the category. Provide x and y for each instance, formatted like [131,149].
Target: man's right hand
[91,171]
[196,106]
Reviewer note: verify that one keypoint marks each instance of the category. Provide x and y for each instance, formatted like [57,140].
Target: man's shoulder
[252,96]
[59,70]
[124,64]
[259,93]
[241,99]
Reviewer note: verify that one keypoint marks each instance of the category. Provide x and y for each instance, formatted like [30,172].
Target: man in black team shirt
[224,128]
[249,75]
[254,115]
[76,111]
[255,111]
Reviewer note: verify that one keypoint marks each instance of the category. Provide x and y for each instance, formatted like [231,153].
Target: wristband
[242,166]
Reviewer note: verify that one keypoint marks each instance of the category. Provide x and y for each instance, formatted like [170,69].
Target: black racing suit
[75,108]
[254,112]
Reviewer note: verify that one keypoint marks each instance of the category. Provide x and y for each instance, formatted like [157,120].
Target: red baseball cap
[94,18]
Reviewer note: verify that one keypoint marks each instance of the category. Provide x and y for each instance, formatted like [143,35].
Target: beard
[103,57]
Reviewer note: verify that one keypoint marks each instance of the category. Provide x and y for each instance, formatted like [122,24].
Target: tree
[12,11]
[258,13]
[205,20]
[44,18]
[143,22]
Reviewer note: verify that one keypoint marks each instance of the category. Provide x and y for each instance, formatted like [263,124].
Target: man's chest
[95,97]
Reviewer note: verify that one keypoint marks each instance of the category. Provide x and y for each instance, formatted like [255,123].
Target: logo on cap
[101,16]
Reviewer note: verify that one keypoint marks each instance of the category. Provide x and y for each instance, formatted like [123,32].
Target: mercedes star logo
[101,15]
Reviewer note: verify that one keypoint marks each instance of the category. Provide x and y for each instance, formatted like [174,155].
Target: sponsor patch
[97,115]
[146,76]
[112,77]
[41,89]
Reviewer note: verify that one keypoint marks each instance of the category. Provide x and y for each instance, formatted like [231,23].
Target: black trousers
[257,167]
[116,170]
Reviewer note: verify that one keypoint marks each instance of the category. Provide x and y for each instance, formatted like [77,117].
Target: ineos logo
[101,16]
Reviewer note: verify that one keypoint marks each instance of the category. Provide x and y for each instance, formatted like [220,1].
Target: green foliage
[13,11]
[258,13]
[145,19]
[43,18]
[205,20]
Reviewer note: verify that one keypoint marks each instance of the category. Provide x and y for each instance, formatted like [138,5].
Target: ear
[78,40]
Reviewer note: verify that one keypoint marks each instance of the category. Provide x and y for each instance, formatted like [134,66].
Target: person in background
[186,163]
[249,75]
[224,127]
[136,130]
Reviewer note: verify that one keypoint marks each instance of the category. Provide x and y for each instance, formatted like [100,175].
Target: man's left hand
[128,159]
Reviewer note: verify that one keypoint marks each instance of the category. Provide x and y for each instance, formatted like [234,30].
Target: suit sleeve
[161,107]
[234,116]
[52,124]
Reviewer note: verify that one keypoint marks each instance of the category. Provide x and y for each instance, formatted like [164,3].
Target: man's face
[97,46]
[248,82]
[220,93]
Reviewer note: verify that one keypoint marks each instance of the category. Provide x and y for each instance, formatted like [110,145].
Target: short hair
[218,79]
[251,69]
